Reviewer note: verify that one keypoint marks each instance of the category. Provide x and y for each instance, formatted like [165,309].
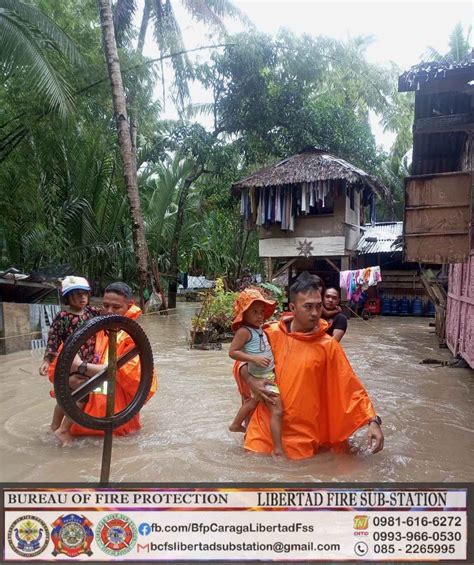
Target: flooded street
[426,410]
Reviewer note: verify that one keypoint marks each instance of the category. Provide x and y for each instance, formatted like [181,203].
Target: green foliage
[168,34]
[62,197]
[275,293]
[281,94]
[459,46]
[217,312]
[69,207]
[36,51]
[220,311]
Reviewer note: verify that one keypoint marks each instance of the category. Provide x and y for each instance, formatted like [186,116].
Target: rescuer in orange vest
[118,299]
[323,400]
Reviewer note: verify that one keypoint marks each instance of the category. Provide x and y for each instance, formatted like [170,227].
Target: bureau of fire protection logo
[72,535]
[28,536]
[116,534]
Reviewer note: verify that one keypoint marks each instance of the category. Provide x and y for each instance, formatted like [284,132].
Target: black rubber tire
[63,369]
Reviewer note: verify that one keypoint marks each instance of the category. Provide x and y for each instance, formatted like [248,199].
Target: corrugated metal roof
[384,237]
[426,72]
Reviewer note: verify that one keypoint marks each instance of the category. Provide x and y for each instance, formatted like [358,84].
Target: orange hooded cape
[323,400]
[126,385]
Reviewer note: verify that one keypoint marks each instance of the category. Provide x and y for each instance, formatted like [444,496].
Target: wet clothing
[258,345]
[127,381]
[64,325]
[324,402]
[337,322]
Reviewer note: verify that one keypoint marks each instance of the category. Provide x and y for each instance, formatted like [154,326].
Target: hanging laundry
[282,204]
[268,206]
[304,195]
[278,204]
[356,281]
[291,215]
[375,276]
[253,204]
[312,195]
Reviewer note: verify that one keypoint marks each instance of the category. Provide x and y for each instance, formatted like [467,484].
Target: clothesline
[355,282]
[282,204]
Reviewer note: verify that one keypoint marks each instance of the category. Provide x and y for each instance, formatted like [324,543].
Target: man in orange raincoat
[118,299]
[324,402]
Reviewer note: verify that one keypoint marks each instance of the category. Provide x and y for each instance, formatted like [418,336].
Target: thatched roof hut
[310,205]
[311,165]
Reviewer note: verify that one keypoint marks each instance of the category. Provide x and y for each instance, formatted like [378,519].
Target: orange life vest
[323,400]
[127,380]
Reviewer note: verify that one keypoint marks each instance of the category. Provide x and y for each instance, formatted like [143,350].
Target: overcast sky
[402,29]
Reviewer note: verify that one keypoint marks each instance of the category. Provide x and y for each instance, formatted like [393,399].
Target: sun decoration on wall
[305,248]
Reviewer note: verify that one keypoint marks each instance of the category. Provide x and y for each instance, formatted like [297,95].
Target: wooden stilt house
[308,210]
[439,194]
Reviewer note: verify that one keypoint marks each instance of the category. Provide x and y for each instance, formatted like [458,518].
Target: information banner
[235,524]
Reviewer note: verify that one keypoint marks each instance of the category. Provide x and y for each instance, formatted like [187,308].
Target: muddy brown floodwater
[427,416]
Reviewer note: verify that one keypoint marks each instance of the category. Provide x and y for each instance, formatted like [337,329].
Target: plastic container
[431,309]
[394,307]
[404,305]
[386,307]
[417,307]
[373,305]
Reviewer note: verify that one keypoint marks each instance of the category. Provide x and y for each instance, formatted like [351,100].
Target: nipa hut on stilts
[308,210]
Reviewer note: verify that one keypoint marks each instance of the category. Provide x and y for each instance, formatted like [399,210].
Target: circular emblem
[72,535]
[361,548]
[116,534]
[28,536]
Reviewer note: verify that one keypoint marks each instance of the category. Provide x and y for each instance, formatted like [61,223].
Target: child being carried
[250,345]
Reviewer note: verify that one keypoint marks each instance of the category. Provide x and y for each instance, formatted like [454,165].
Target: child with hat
[75,293]
[250,345]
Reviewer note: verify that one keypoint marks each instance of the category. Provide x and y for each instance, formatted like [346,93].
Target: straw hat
[245,299]
[74,283]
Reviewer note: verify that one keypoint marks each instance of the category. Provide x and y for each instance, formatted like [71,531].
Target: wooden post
[269,269]
[344,267]
[110,407]
[156,277]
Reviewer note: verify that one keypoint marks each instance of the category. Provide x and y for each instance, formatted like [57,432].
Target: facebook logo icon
[144,529]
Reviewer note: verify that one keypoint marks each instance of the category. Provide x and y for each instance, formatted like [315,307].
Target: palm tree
[459,47]
[32,45]
[170,41]
[61,202]
[160,189]
[167,31]
[125,142]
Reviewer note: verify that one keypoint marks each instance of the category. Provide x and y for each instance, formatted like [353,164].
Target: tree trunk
[174,270]
[124,141]
[245,238]
[144,26]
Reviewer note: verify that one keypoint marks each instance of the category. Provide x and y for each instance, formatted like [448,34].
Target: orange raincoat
[323,400]
[126,385]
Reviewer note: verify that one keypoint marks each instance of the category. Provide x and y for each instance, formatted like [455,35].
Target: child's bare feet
[237,428]
[52,428]
[278,452]
[64,437]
